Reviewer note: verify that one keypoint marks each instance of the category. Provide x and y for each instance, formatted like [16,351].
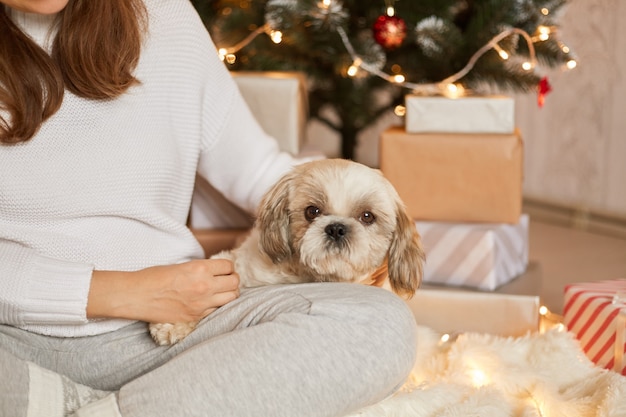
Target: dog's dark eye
[367,217]
[311,213]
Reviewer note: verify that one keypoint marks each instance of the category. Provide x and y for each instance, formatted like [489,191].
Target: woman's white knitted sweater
[107,185]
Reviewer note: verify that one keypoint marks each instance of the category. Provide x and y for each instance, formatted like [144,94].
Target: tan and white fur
[330,220]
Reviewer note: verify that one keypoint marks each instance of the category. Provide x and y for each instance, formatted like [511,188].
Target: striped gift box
[596,313]
[477,255]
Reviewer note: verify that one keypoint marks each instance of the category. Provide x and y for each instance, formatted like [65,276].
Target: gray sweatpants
[295,350]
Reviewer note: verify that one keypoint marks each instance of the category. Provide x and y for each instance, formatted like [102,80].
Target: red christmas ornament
[543,88]
[389,31]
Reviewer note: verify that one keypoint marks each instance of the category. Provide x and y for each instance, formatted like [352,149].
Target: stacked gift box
[458,166]
[595,312]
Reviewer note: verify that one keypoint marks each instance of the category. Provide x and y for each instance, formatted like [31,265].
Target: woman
[107,111]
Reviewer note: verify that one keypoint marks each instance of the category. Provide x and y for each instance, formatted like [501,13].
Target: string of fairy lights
[449,86]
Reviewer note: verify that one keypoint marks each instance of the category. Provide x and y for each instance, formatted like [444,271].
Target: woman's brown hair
[94,54]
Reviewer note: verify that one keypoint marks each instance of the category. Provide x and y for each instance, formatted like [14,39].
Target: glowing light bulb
[571,64]
[503,54]
[565,49]
[445,338]
[391,11]
[276,36]
[527,66]
[544,33]
[231,58]
[399,110]
[479,378]
[543,310]
[354,68]
[454,91]
[545,11]
[326,4]
[398,78]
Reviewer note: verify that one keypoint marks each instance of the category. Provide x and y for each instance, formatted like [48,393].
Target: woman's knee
[377,320]
[390,326]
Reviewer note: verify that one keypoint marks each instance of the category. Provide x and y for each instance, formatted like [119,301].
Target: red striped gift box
[596,313]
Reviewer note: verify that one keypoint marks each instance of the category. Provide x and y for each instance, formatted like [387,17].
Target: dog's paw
[170,333]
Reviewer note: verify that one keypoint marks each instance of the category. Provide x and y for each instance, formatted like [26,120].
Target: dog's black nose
[336,231]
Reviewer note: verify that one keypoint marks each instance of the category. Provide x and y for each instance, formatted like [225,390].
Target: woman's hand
[164,294]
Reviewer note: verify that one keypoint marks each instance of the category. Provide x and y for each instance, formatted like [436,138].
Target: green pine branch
[451,32]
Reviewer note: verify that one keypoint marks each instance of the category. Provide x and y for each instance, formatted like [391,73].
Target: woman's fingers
[219,266]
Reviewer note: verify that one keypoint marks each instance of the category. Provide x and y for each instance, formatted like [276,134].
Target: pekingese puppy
[330,220]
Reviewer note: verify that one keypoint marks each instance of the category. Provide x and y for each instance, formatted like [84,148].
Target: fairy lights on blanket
[484,370]
[331,13]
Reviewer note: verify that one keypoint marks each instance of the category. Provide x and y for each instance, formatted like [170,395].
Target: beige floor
[561,255]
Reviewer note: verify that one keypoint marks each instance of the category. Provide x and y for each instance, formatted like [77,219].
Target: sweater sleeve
[244,161]
[239,158]
[31,294]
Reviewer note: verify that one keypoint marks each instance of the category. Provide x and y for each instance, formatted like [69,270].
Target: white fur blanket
[479,375]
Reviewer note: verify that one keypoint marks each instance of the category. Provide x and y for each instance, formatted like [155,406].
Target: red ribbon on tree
[543,88]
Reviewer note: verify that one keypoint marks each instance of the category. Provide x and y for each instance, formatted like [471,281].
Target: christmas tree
[363,57]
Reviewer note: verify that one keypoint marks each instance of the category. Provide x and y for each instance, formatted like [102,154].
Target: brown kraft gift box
[455,177]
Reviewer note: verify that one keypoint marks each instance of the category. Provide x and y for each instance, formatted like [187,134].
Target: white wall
[576,145]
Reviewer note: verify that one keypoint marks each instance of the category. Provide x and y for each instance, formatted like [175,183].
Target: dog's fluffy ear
[273,220]
[406,256]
